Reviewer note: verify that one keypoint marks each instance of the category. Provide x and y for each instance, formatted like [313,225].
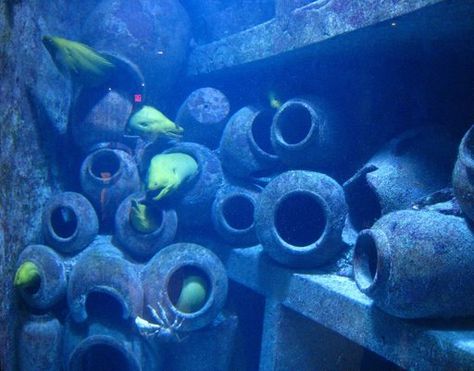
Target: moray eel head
[78,61]
[150,123]
[27,275]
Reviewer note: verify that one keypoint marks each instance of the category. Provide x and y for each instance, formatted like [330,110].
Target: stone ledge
[297,29]
[336,303]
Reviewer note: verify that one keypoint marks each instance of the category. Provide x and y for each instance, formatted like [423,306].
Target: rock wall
[33,112]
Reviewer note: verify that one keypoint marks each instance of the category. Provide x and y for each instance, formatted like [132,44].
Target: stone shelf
[307,28]
[335,303]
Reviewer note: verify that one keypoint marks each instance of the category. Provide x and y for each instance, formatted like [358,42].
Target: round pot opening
[105,165]
[238,212]
[103,305]
[34,287]
[155,216]
[261,129]
[366,258]
[294,123]
[64,222]
[300,219]
[363,203]
[104,357]
[189,289]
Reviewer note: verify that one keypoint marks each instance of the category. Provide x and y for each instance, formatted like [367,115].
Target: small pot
[203,116]
[69,222]
[165,273]
[194,200]
[463,175]
[92,345]
[40,344]
[417,264]
[107,177]
[408,168]
[53,279]
[300,217]
[233,215]
[102,273]
[306,133]
[144,245]
[245,149]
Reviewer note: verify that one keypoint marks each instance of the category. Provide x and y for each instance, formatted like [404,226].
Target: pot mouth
[466,150]
[362,200]
[208,106]
[103,302]
[371,263]
[63,223]
[105,166]
[189,290]
[238,212]
[300,219]
[102,352]
[260,133]
[295,124]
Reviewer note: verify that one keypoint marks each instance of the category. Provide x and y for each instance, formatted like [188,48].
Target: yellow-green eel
[193,295]
[167,172]
[27,275]
[150,123]
[78,61]
[142,218]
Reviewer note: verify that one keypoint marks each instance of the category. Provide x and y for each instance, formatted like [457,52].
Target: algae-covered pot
[306,133]
[40,344]
[245,148]
[69,222]
[194,200]
[102,273]
[99,115]
[408,168]
[107,345]
[107,177]
[463,175]
[299,218]
[185,272]
[50,288]
[233,215]
[153,34]
[203,116]
[139,244]
[417,264]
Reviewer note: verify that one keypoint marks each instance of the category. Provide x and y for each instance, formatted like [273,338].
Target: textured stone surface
[32,118]
[302,27]
[413,345]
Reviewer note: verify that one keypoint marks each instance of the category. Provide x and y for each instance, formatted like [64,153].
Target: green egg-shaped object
[27,275]
[193,294]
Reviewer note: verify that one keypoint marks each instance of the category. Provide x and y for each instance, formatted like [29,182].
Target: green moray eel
[275,103]
[142,218]
[78,61]
[168,171]
[193,295]
[150,123]
[27,275]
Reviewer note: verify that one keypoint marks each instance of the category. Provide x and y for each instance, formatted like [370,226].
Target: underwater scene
[213,185]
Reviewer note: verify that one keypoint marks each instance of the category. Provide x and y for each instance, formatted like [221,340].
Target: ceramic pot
[203,116]
[417,264]
[406,169]
[102,274]
[245,149]
[40,344]
[144,245]
[300,217]
[164,277]
[69,222]
[108,176]
[53,280]
[463,175]
[233,215]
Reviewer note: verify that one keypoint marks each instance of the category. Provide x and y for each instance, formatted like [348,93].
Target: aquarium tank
[213,185]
